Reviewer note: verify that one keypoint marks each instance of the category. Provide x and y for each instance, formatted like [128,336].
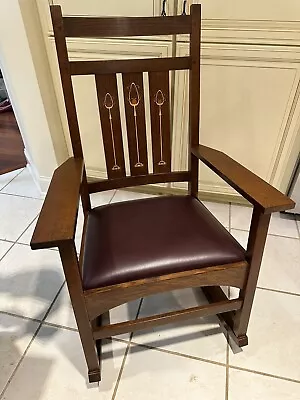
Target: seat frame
[57,221]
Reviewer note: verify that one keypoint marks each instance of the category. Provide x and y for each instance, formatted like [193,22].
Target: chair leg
[71,268]
[256,244]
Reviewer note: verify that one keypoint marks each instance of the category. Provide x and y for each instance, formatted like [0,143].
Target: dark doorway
[11,144]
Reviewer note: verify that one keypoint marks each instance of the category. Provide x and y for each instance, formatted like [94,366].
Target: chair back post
[194,95]
[64,69]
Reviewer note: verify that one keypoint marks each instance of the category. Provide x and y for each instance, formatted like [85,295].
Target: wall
[25,68]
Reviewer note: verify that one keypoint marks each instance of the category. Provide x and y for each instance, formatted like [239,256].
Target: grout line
[54,300]
[12,245]
[227,371]
[16,241]
[125,356]
[282,378]
[175,353]
[112,197]
[24,197]
[7,241]
[31,223]
[20,361]
[29,344]
[120,372]
[227,359]
[279,291]
[298,227]
[12,179]
[20,316]
[269,234]
[54,325]
[214,362]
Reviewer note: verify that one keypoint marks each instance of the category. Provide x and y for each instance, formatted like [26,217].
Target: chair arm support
[57,221]
[250,186]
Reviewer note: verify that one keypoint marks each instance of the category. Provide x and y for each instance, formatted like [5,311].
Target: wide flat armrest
[249,185]
[57,221]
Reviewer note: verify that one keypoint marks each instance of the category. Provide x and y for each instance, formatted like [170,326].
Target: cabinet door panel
[287,10]
[249,108]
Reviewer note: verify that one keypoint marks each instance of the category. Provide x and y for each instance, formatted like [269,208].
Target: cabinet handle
[163,11]
[184,7]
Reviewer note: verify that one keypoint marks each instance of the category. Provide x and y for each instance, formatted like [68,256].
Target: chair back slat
[133,87]
[129,26]
[114,76]
[160,121]
[108,99]
[119,66]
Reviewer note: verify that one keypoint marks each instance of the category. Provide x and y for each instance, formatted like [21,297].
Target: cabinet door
[269,22]
[250,110]
[255,10]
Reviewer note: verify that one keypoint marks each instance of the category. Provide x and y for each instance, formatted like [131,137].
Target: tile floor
[40,352]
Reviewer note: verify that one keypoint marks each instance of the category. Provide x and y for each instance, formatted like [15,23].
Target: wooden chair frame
[57,221]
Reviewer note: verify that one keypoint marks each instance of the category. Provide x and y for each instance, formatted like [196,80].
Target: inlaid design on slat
[108,101]
[134,101]
[160,120]
[159,101]
[109,104]
[133,89]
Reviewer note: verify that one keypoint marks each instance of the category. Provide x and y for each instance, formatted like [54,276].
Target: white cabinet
[250,109]
[250,89]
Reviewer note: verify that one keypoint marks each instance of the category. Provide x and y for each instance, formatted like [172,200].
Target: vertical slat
[67,86]
[160,120]
[135,122]
[108,100]
[194,92]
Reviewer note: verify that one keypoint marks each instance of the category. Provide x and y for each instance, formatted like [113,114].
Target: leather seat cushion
[151,237]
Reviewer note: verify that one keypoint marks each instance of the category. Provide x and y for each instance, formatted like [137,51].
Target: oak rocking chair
[137,248]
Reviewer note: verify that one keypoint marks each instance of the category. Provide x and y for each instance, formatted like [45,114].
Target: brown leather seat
[151,237]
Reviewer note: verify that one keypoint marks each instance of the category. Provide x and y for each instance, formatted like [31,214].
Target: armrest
[57,220]
[249,185]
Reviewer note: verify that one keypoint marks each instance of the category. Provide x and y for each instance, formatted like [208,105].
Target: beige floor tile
[241,217]
[16,213]
[27,235]
[4,247]
[280,266]
[6,178]
[283,225]
[201,337]
[274,346]
[24,185]
[15,335]
[150,374]
[280,224]
[29,281]
[55,368]
[220,211]
[62,312]
[249,386]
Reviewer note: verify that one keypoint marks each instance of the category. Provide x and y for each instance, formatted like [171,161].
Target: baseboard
[42,182]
